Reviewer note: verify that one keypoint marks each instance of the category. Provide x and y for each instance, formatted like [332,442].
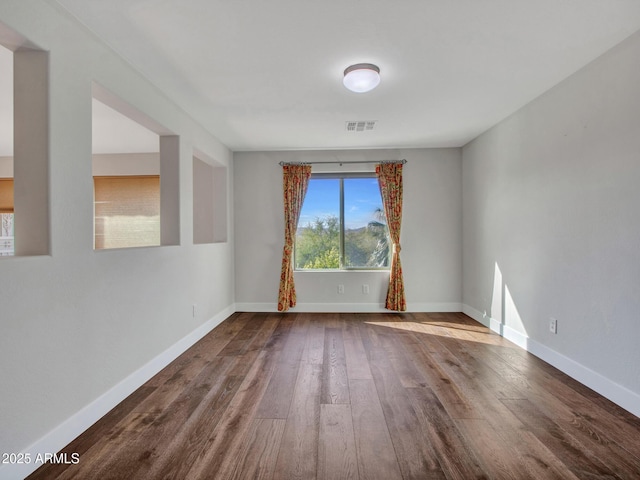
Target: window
[342,224]
[6,217]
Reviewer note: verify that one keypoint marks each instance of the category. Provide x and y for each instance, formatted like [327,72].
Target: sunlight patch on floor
[447,329]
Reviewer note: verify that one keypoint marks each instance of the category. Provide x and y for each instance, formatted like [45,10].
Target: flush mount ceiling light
[361,77]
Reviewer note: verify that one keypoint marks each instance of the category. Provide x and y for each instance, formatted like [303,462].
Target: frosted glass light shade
[362,77]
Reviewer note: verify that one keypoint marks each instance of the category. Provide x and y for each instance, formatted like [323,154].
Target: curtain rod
[403,161]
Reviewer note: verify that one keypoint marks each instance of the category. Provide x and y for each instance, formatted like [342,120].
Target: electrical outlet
[553,325]
[341,289]
[365,289]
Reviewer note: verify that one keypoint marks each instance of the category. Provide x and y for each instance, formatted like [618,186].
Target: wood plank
[370,333]
[277,398]
[446,389]
[314,348]
[508,385]
[330,320]
[620,415]
[416,456]
[532,457]
[155,441]
[336,449]
[168,392]
[191,442]
[258,456]
[205,349]
[580,460]
[296,341]
[397,348]
[243,339]
[428,329]
[335,384]
[375,454]
[188,366]
[355,354]
[483,356]
[98,458]
[611,437]
[298,455]
[268,324]
[588,427]
[279,336]
[226,440]
[491,450]
[94,434]
[454,454]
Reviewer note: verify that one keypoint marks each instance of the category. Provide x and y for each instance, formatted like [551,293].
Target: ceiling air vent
[360,126]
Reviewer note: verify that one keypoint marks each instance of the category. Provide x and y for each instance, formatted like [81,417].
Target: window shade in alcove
[127,211]
[6,195]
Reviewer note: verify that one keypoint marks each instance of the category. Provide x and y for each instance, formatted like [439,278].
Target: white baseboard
[477,315]
[71,428]
[256,307]
[618,394]
[348,307]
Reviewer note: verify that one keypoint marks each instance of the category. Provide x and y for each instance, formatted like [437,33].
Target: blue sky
[361,199]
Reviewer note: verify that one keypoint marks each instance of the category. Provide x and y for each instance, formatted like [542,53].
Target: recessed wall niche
[6,153]
[209,200]
[24,146]
[135,175]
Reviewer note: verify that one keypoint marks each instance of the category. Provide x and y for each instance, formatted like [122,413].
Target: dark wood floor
[369,396]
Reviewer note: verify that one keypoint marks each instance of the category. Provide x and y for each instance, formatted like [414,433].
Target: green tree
[378,228]
[327,259]
[318,244]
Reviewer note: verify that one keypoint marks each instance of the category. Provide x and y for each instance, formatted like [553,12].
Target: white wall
[552,225]
[6,167]
[431,236]
[79,326]
[114,164]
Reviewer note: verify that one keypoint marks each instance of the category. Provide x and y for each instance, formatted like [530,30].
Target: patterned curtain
[295,180]
[390,181]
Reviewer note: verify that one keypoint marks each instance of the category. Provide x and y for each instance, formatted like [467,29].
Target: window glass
[366,240]
[6,234]
[6,217]
[318,235]
[342,225]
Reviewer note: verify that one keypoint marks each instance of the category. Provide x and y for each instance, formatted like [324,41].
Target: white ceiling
[268,75]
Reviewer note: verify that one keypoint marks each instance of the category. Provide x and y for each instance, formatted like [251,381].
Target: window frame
[342,268]
[6,208]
